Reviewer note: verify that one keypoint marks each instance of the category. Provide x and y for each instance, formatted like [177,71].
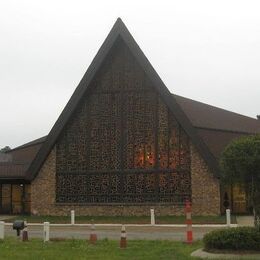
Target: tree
[240,163]
[5,149]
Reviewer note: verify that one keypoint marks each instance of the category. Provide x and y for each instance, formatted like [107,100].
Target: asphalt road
[148,232]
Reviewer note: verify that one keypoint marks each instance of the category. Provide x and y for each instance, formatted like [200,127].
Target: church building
[124,144]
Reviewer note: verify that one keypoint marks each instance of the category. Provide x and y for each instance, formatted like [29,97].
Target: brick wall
[43,187]
[205,187]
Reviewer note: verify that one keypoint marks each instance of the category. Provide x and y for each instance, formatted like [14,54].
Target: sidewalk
[4,217]
[243,221]
[202,254]
[112,232]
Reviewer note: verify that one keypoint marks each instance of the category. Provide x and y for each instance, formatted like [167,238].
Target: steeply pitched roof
[206,116]
[120,30]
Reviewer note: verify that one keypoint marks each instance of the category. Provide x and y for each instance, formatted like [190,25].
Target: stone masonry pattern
[205,187]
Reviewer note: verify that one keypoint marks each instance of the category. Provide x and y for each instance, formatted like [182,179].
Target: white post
[46,231]
[228,217]
[152,217]
[72,217]
[2,230]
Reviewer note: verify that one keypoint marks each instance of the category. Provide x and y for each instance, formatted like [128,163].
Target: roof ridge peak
[119,28]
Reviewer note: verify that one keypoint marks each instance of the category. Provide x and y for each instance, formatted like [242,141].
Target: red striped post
[93,235]
[188,221]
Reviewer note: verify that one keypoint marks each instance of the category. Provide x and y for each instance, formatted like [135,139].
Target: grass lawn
[126,220]
[11,248]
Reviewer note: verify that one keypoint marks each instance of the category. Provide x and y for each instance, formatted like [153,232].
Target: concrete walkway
[4,217]
[148,232]
[202,254]
[243,221]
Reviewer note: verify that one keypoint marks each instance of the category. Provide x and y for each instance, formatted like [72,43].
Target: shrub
[240,238]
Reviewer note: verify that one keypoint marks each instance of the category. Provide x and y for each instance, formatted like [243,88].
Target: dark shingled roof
[13,171]
[206,116]
[34,142]
[217,140]
[20,159]
[217,127]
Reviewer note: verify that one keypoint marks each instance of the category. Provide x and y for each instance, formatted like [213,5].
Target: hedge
[240,238]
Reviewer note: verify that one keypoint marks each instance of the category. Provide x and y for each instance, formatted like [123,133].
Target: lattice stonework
[122,145]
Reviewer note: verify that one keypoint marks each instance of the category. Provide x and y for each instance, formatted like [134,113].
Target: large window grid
[122,145]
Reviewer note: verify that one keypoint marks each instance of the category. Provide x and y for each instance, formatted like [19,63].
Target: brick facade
[123,146]
[205,187]
[205,194]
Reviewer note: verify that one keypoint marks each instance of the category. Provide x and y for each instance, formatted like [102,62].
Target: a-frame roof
[120,30]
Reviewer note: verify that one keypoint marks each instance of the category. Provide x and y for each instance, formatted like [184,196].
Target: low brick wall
[205,195]
[107,210]
[205,187]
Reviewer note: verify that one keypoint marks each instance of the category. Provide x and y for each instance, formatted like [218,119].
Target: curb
[203,254]
[129,225]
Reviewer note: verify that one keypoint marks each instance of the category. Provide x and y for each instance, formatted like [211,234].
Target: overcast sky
[205,50]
